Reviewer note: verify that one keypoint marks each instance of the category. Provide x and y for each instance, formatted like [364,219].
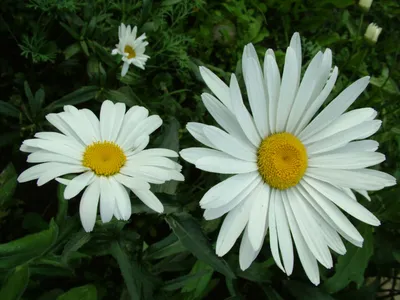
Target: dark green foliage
[56,53]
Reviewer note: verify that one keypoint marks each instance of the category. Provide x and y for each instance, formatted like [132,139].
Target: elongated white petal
[216,85]
[273,82]
[122,201]
[88,205]
[77,184]
[119,113]
[357,146]
[148,198]
[225,165]
[192,155]
[196,130]
[258,215]
[273,235]
[134,183]
[106,117]
[107,199]
[350,160]
[246,253]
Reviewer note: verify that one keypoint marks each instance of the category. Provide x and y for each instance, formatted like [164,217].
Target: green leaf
[303,291]
[39,97]
[386,83]
[146,8]
[29,247]
[170,140]
[104,56]
[74,244]
[8,183]
[166,247]
[180,282]
[351,266]
[189,233]
[198,288]
[9,110]
[15,284]
[126,270]
[257,272]
[34,104]
[86,292]
[119,96]
[81,95]
[340,3]
[62,205]
[72,50]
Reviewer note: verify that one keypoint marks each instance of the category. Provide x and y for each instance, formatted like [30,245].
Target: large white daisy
[293,170]
[110,155]
[131,48]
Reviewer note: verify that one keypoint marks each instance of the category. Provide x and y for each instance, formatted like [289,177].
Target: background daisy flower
[131,48]
[294,172]
[108,153]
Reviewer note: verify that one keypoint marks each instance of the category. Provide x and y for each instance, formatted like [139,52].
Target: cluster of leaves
[58,52]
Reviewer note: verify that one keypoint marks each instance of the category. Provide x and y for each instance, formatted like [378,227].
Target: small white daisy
[293,171]
[131,48]
[110,155]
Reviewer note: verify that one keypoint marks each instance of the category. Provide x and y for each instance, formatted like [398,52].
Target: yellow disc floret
[131,52]
[104,158]
[281,160]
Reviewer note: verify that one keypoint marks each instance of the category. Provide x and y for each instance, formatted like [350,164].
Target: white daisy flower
[131,48]
[110,155]
[293,171]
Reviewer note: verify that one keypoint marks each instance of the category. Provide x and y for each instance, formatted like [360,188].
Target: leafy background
[57,52]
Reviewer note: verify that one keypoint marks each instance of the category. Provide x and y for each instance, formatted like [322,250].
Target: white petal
[345,121]
[192,155]
[227,190]
[223,116]
[56,147]
[357,146]
[226,165]
[246,253]
[232,227]
[244,118]
[295,44]
[133,183]
[273,80]
[125,69]
[307,259]
[342,200]
[257,95]
[285,240]
[342,138]
[330,213]
[216,85]
[123,203]
[119,113]
[107,199]
[334,109]
[60,124]
[273,235]
[196,130]
[364,193]
[41,156]
[56,170]
[145,127]
[88,206]
[229,144]
[149,199]
[364,179]
[258,215]
[309,228]
[288,89]
[304,93]
[157,152]
[106,119]
[351,160]
[77,184]
[247,193]
[132,118]
[94,121]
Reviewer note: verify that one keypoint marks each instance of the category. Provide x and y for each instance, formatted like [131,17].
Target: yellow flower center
[281,160]
[131,52]
[104,158]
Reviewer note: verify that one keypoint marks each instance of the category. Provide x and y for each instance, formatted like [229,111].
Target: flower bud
[372,33]
[365,4]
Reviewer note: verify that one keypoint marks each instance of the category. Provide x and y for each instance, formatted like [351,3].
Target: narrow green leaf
[198,288]
[9,110]
[306,291]
[119,96]
[72,50]
[71,31]
[62,205]
[39,98]
[84,48]
[257,272]
[146,9]
[81,95]
[74,244]
[33,103]
[166,247]
[16,283]
[351,266]
[191,236]
[126,270]
[180,282]
[86,292]
[8,183]
[104,55]
[27,248]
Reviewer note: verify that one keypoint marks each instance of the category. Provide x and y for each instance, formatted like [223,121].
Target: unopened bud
[372,33]
[365,4]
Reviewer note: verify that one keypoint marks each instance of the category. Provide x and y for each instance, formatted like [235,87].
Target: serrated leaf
[306,291]
[86,292]
[9,110]
[29,247]
[81,95]
[189,233]
[351,266]
[16,283]
[8,183]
